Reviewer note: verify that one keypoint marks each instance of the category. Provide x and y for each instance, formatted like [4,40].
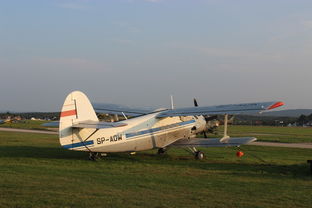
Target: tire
[199,155]
[92,157]
[161,151]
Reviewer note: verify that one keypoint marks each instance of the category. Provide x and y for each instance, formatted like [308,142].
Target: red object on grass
[239,154]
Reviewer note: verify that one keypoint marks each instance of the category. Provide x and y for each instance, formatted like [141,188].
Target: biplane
[81,130]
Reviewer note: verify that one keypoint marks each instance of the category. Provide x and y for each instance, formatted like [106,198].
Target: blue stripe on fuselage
[154,130]
[79,144]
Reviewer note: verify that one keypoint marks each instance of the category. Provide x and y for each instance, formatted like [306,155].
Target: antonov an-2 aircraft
[81,130]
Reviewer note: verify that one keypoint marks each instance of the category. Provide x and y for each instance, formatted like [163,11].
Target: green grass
[36,172]
[26,124]
[271,133]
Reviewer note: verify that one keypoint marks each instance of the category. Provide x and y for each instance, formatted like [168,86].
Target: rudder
[76,108]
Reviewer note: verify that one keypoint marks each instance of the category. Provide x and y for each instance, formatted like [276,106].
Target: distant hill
[288,113]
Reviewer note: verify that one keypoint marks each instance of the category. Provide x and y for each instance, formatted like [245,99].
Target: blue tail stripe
[79,144]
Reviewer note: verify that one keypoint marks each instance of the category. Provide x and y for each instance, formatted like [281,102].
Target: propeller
[207,119]
[195,103]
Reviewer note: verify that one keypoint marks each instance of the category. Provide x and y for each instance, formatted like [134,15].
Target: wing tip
[276,105]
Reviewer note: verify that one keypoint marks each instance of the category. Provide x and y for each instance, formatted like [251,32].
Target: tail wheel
[161,151]
[93,156]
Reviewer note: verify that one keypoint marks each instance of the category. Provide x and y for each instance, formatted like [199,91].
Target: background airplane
[81,130]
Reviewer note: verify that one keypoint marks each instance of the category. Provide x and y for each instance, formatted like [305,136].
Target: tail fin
[76,108]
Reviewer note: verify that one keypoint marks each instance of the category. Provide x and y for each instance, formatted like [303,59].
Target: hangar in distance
[81,130]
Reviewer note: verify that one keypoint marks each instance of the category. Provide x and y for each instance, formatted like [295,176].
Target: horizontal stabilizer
[213,142]
[97,125]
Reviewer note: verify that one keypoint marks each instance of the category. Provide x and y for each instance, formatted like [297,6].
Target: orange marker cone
[239,154]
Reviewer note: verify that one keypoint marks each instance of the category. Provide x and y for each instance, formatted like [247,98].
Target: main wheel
[199,155]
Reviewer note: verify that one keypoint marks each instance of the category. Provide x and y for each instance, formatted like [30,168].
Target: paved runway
[279,144]
[28,131]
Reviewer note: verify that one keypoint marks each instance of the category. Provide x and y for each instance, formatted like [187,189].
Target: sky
[139,52]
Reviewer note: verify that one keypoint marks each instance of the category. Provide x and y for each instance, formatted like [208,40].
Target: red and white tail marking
[275,105]
[69,110]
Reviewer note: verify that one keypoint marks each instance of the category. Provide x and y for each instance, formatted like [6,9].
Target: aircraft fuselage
[141,133]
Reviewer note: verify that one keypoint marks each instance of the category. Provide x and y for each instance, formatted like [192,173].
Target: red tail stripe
[68,113]
[276,105]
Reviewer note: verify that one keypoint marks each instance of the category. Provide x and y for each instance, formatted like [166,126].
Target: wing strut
[225,137]
[172,105]
[124,115]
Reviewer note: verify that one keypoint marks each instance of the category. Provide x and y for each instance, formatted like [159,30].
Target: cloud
[294,28]
[123,41]
[234,53]
[153,1]
[307,24]
[127,26]
[80,64]
[75,5]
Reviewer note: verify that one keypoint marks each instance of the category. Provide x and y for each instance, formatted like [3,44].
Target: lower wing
[213,142]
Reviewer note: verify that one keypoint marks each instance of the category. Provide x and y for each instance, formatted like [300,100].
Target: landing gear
[199,155]
[93,156]
[225,137]
[161,151]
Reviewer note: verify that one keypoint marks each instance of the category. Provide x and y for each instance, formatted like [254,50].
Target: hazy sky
[138,52]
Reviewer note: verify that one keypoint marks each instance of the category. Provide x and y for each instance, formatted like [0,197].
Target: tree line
[29,115]
[304,120]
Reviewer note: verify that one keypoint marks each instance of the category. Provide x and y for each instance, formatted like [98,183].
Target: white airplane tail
[76,108]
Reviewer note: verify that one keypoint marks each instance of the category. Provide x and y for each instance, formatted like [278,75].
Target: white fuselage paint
[141,133]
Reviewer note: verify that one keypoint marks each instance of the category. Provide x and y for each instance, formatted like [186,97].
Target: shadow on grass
[40,152]
[224,166]
[250,168]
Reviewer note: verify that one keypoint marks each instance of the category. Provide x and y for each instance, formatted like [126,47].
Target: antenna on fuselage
[172,106]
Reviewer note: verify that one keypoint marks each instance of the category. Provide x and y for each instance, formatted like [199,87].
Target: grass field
[36,172]
[272,133]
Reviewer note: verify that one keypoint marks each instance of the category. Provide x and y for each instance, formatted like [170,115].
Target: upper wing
[213,142]
[222,109]
[119,110]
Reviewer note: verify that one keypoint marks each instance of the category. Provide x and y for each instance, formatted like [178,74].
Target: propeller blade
[195,103]
[207,118]
[210,118]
